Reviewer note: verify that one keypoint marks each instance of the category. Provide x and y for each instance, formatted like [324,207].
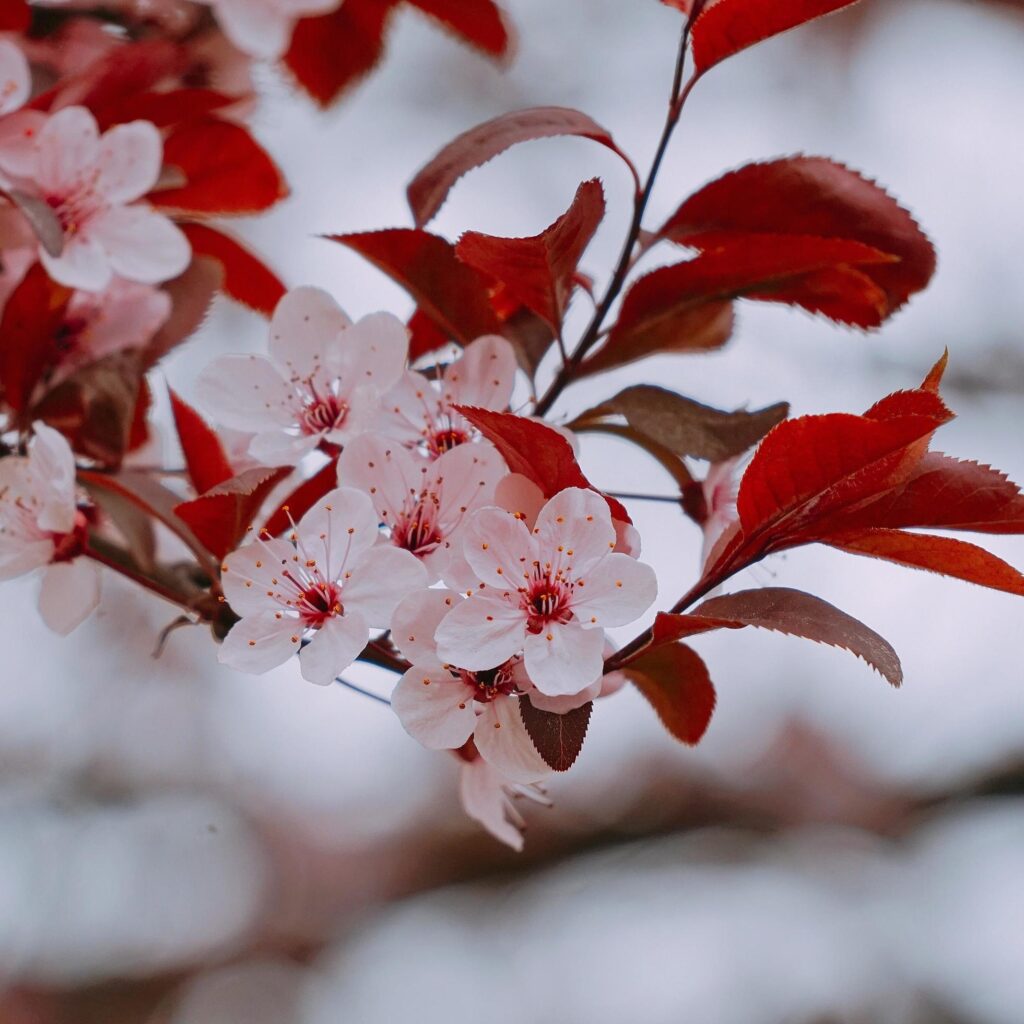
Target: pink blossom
[263,28]
[319,592]
[18,128]
[91,183]
[720,488]
[42,527]
[487,798]
[423,504]
[442,705]
[420,412]
[549,593]
[322,381]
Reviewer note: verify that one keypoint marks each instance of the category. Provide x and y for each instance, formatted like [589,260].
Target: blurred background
[181,844]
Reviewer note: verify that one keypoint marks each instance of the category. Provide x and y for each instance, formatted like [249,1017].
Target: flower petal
[577,525]
[380,579]
[383,469]
[337,530]
[70,591]
[129,161]
[15,77]
[614,592]
[245,392]
[564,659]
[141,244]
[372,352]
[483,375]
[434,708]
[250,572]
[260,29]
[498,547]
[503,741]
[520,495]
[19,132]
[258,643]
[481,632]
[334,646]
[415,622]
[483,796]
[68,147]
[53,473]
[305,326]
[83,263]
[19,556]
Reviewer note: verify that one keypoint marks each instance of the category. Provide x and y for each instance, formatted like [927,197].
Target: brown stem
[118,561]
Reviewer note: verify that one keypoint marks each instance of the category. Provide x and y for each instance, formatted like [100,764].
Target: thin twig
[366,693]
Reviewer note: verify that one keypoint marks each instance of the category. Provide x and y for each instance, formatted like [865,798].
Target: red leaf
[204,454]
[15,16]
[424,336]
[302,499]
[452,294]
[32,317]
[479,22]
[226,171]
[138,432]
[943,555]
[247,279]
[676,682]
[191,294]
[221,516]
[784,611]
[330,53]
[429,189]
[537,452]
[539,271]
[167,108]
[557,738]
[811,196]
[728,26]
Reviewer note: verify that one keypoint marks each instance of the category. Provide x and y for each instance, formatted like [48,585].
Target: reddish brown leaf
[728,26]
[191,295]
[331,53]
[784,611]
[538,272]
[536,451]
[168,107]
[429,189]
[31,320]
[676,683]
[812,196]
[478,22]
[226,171]
[557,738]
[204,454]
[424,336]
[138,433]
[530,336]
[452,294]
[936,373]
[221,516]
[247,279]
[302,499]
[15,15]
[943,555]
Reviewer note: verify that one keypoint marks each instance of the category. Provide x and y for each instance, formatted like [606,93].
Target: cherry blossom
[487,797]
[92,182]
[322,381]
[41,526]
[263,28]
[319,592]
[549,593]
[421,412]
[18,128]
[422,503]
[719,488]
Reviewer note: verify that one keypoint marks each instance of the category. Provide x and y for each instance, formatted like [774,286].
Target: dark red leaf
[538,272]
[31,320]
[204,454]
[302,499]
[728,26]
[168,107]
[478,22]
[221,516]
[15,15]
[676,683]
[535,451]
[557,738]
[138,432]
[247,279]
[191,295]
[943,555]
[424,336]
[812,196]
[530,336]
[331,53]
[784,611]
[452,294]
[429,189]
[225,170]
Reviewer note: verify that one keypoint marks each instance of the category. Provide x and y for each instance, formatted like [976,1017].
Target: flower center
[75,208]
[69,336]
[318,602]
[546,599]
[445,439]
[491,683]
[322,413]
[67,546]
[418,530]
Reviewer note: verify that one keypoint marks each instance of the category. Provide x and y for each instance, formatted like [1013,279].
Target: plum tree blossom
[319,592]
[487,797]
[422,503]
[549,592]
[41,526]
[18,128]
[421,412]
[322,381]
[719,489]
[92,182]
[263,28]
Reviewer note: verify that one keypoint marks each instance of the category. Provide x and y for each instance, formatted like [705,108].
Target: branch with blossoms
[368,493]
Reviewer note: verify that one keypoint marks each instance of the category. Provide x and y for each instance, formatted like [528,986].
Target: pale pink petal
[415,621]
[465,478]
[564,659]
[337,531]
[70,591]
[245,392]
[484,799]
[19,555]
[129,161]
[83,263]
[19,132]
[614,592]
[612,682]
[277,448]
[577,525]
[305,326]
[481,632]
[627,538]
[258,643]
[383,469]
[407,407]
[372,352]
[498,547]
[569,702]
[503,741]
[248,573]
[434,708]
[142,245]
[53,470]
[483,375]
[520,495]
[380,579]
[68,148]
[334,646]
[257,27]
[15,78]
[125,316]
